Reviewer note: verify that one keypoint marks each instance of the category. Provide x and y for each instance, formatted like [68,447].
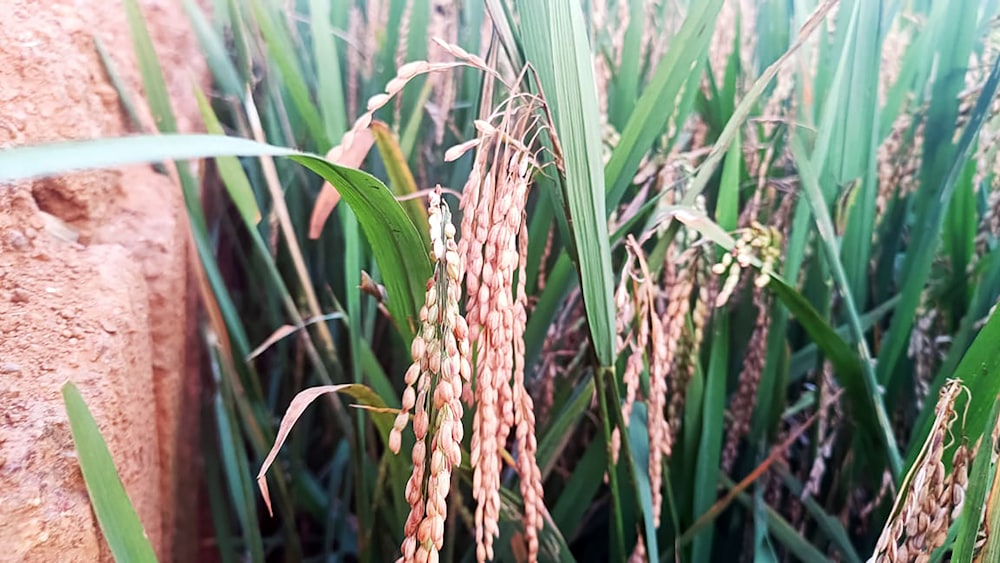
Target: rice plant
[620,280]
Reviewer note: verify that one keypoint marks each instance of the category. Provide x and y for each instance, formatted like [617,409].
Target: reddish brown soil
[112,310]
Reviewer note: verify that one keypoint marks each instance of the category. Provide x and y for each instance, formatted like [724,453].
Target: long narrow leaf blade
[824,224]
[567,76]
[115,513]
[395,241]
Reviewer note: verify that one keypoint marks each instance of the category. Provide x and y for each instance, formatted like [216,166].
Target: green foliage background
[864,259]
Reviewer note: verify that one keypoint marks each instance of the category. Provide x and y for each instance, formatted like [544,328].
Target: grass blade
[626,83]
[585,481]
[562,55]
[149,67]
[115,513]
[328,78]
[116,80]
[400,255]
[212,46]
[853,154]
[234,178]
[281,49]
[824,224]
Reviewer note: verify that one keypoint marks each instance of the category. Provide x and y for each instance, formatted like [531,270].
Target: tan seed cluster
[444,27]
[748,32]
[355,59]
[494,245]
[897,39]
[434,384]
[659,339]
[989,226]
[898,159]
[723,37]
[634,339]
[829,417]
[757,241]
[745,399]
[684,345]
[659,27]
[923,348]
[566,342]
[930,500]
[662,341]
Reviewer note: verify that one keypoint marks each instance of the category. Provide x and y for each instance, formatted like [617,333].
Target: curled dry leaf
[286,330]
[295,410]
[369,400]
[281,332]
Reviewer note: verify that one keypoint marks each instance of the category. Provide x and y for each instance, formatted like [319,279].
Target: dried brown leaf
[295,410]
[281,332]
[351,153]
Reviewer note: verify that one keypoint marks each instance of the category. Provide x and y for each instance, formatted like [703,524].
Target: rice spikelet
[745,399]
[443,27]
[494,244]
[682,345]
[434,382]
[930,500]
[637,311]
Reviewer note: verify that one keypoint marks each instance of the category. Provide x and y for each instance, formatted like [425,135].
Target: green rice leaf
[149,67]
[395,241]
[282,51]
[226,77]
[117,517]
[330,89]
[625,86]
[853,151]
[562,56]
[235,179]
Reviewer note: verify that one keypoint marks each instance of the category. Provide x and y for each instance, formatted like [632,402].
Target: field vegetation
[592,281]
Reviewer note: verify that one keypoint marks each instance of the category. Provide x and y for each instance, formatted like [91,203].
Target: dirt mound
[94,288]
